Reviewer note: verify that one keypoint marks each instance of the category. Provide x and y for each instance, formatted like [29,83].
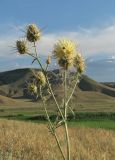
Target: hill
[110,84]
[88,93]
[88,84]
[13,82]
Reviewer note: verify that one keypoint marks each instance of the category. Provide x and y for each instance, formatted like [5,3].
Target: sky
[89,23]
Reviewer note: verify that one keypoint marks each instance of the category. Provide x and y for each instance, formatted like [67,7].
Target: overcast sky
[90,23]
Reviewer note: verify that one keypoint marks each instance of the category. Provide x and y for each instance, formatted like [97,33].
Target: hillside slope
[88,84]
[89,96]
[12,82]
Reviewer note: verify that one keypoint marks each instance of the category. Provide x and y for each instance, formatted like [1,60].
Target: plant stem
[68,141]
[35,49]
[51,125]
[49,86]
[59,146]
[48,83]
[65,95]
[73,89]
[65,116]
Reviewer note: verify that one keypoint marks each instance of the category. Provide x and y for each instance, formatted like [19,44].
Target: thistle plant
[67,56]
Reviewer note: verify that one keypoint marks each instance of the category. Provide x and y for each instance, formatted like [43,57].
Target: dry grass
[28,141]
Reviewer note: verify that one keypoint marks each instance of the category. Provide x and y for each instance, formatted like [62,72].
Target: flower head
[48,61]
[32,88]
[33,33]
[79,63]
[21,46]
[65,51]
[41,79]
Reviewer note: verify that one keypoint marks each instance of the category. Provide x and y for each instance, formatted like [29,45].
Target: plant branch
[48,83]
[65,116]
[77,76]
[51,125]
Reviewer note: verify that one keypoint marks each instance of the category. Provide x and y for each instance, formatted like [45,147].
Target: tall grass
[29,141]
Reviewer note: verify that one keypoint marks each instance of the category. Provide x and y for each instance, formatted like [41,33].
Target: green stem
[68,141]
[35,49]
[51,125]
[46,68]
[65,116]
[59,146]
[65,95]
[50,88]
[48,83]
[73,89]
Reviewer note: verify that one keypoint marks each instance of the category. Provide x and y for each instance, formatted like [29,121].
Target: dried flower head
[33,33]
[48,61]
[41,79]
[65,51]
[21,46]
[79,63]
[32,88]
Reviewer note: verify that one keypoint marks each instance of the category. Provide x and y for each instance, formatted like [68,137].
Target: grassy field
[93,120]
[105,124]
[34,112]
[30,141]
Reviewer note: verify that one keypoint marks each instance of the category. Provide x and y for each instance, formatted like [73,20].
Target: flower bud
[48,61]
[33,33]
[32,88]
[21,47]
[41,79]
[79,63]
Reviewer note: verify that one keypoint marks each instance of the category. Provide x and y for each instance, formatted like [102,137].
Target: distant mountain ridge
[15,80]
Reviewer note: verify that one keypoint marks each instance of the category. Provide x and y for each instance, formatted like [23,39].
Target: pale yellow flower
[79,63]
[21,46]
[64,51]
[33,33]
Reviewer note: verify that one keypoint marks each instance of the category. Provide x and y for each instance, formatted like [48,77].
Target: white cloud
[113,57]
[90,41]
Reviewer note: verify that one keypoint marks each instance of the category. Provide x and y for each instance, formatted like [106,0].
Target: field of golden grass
[29,141]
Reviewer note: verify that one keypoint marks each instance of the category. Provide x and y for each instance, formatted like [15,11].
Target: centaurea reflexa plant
[67,56]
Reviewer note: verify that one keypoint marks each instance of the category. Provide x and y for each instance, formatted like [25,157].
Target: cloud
[113,57]
[97,44]
[90,41]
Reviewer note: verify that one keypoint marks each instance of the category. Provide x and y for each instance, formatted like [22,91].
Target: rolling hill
[88,92]
[15,81]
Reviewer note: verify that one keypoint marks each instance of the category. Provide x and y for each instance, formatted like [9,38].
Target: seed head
[21,47]
[33,33]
